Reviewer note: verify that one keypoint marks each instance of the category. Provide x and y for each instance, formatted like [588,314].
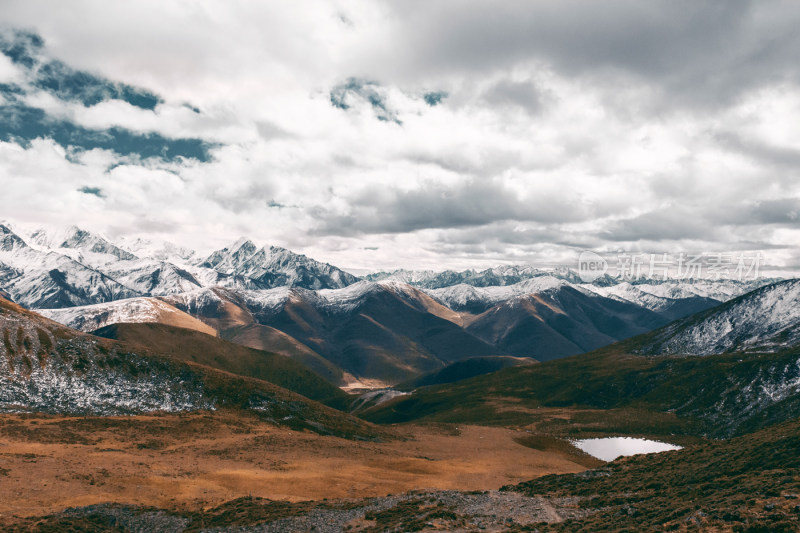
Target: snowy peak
[250,267]
[463,297]
[496,276]
[229,259]
[10,241]
[764,320]
[158,250]
[81,245]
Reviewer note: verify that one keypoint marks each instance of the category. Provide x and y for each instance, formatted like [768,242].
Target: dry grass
[200,460]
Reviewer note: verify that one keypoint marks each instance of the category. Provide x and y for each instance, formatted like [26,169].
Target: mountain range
[378,331]
[728,370]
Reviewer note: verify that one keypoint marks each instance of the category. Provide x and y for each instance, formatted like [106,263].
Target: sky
[411,134]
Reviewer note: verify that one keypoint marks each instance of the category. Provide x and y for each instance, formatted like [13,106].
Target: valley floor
[197,461]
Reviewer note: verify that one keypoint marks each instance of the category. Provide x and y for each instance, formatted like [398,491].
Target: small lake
[609,448]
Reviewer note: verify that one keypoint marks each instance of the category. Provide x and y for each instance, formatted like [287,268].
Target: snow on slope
[132,310]
[159,250]
[639,295]
[74,267]
[464,297]
[37,278]
[243,265]
[50,369]
[721,290]
[766,319]
[491,277]
[87,248]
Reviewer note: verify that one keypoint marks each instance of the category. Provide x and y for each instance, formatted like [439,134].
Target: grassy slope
[211,351]
[475,366]
[741,485]
[79,353]
[687,395]
[269,339]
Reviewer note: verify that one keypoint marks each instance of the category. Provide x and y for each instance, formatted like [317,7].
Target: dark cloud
[512,233]
[762,152]
[268,130]
[703,53]
[674,223]
[521,94]
[784,212]
[740,221]
[470,203]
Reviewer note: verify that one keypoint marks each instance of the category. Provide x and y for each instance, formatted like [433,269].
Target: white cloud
[9,73]
[590,128]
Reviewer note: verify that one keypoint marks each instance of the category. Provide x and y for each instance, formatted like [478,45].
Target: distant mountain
[464,297]
[83,246]
[377,331]
[748,377]
[228,312]
[146,276]
[491,277]
[75,267]
[36,278]
[677,303]
[159,250]
[352,332]
[247,266]
[764,320]
[561,321]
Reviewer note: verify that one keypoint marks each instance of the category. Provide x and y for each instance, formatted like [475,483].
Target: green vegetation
[749,483]
[609,390]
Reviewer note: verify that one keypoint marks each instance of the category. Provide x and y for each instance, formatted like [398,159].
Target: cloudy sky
[417,134]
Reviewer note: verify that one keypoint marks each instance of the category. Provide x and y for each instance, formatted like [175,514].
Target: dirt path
[550,512]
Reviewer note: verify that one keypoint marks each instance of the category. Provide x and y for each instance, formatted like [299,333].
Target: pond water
[609,448]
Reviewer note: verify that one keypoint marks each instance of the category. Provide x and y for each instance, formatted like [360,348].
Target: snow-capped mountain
[560,320]
[465,297]
[764,320]
[40,278]
[159,250]
[491,277]
[84,247]
[271,298]
[245,265]
[383,331]
[721,290]
[75,267]
[680,303]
